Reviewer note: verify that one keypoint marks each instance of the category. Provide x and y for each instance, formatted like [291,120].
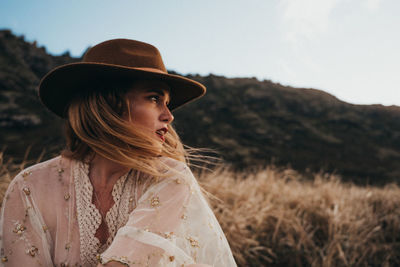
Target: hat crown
[127,53]
[110,61]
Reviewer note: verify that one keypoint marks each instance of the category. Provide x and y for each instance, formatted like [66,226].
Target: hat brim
[60,85]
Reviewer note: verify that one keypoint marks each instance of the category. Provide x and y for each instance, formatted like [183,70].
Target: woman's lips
[161,136]
[161,133]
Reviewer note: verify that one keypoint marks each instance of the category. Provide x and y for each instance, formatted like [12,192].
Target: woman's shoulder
[176,167]
[43,172]
[179,172]
[42,179]
[173,163]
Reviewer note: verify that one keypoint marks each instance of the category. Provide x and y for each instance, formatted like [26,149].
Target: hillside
[250,122]
[253,122]
[24,121]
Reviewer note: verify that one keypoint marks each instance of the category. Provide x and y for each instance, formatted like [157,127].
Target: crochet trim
[89,217]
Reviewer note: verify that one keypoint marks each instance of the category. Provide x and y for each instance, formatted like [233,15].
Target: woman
[121,193]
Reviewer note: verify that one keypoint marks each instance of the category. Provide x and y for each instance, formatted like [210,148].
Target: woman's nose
[166,115]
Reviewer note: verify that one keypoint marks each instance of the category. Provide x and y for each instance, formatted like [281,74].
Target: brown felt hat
[113,60]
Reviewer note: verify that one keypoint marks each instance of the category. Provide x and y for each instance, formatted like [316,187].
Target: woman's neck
[104,173]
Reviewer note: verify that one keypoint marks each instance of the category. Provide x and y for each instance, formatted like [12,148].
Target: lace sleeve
[147,236]
[24,241]
[172,225]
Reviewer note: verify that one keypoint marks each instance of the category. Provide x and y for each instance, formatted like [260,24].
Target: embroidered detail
[155,202]
[27,211]
[32,251]
[193,242]
[26,174]
[60,171]
[26,191]
[168,235]
[19,228]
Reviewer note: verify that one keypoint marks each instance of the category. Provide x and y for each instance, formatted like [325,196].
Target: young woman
[121,193]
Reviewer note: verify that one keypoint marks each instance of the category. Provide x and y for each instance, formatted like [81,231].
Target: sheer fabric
[48,219]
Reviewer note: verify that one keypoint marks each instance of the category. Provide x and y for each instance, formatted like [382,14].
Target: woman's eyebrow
[163,93]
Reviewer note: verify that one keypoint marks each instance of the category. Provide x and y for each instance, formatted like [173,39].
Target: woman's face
[148,109]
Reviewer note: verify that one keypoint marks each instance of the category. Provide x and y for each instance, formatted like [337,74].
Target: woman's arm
[146,237]
[160,231]
[23,238]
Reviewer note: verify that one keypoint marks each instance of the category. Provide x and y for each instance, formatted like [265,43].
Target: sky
[348,48]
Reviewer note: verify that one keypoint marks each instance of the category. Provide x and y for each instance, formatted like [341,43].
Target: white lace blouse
[48,219]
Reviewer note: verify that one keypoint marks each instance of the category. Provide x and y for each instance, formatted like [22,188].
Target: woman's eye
[154,98]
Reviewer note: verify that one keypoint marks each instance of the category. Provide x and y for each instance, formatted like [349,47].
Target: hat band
[151,69]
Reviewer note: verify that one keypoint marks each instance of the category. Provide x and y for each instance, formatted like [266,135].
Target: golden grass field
[278,218]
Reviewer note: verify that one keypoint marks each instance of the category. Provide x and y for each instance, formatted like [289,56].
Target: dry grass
[276,218]
[7,171]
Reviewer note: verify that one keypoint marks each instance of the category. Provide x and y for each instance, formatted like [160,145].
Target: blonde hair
[95,126]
